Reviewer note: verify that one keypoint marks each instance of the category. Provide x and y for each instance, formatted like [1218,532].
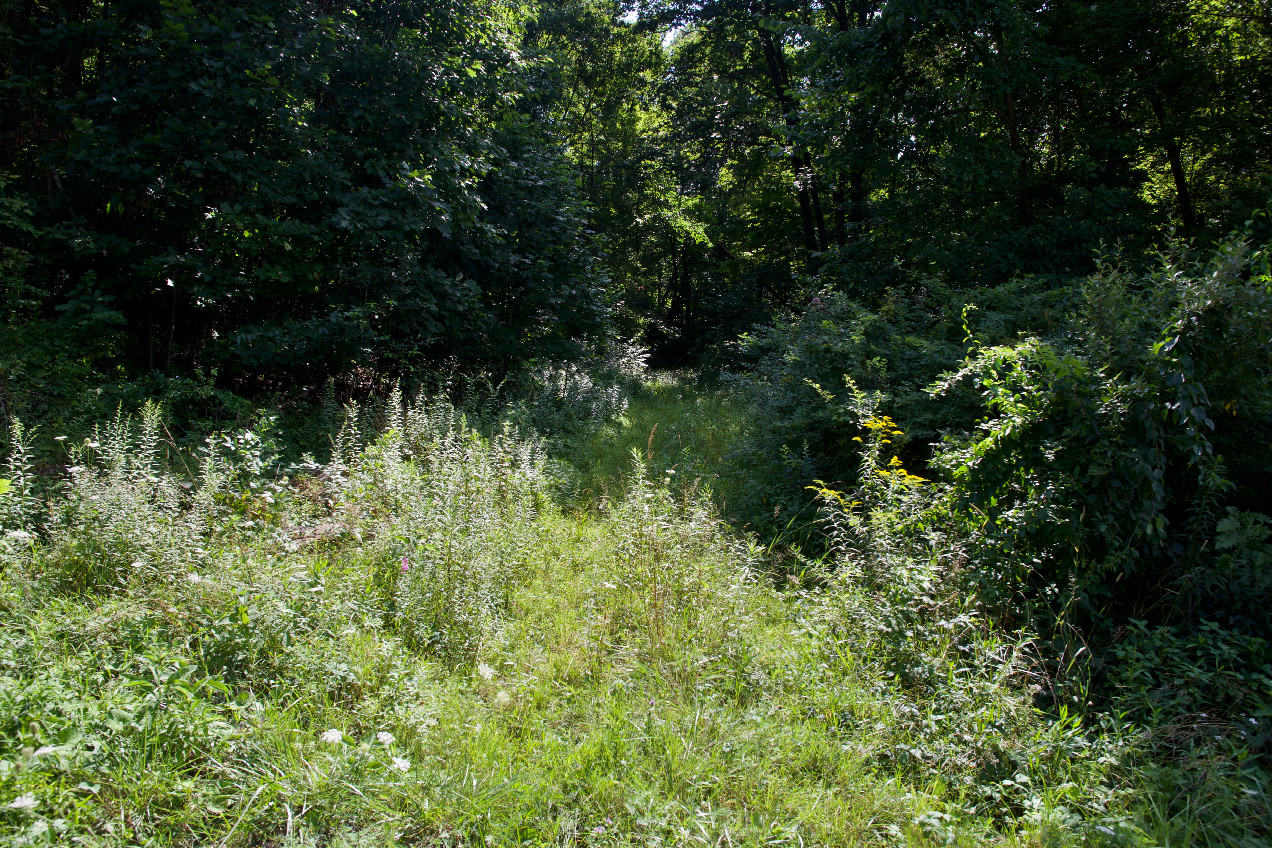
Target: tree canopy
[287,190]
[290,191]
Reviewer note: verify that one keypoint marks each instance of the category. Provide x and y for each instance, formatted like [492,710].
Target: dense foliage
[978,301]
[863,145]
[302,190]
[280,193]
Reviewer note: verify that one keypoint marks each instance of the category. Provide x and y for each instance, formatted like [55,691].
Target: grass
[688,432]
[416,644]
[674,425]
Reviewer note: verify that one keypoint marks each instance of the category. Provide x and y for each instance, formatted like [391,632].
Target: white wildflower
[503,699]
[385,738]
[333,736]
[23,802]
[193,578]
[401,764]
[485,671]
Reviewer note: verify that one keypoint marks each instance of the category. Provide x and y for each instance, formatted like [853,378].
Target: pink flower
[406,564]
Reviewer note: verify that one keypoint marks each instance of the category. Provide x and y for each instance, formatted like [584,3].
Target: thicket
[1096,484]
[205,200]
[775,148]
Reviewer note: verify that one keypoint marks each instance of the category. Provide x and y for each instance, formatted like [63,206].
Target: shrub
[1098,478]
[123,518]
[951,704]
[449,516]
[802,423]
[564,400]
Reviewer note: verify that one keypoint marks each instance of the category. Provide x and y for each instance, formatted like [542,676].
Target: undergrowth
[414,643]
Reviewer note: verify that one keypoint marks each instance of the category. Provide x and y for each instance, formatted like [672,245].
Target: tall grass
[415,644]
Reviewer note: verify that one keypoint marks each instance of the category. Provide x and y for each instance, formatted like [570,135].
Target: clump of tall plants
[1090,527]
[1111,473]
[953,701]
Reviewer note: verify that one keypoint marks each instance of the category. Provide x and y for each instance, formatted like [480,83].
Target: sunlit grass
[614,675]
[674,425]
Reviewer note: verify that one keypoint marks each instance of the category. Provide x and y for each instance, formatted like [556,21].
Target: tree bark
[857,197]
[819,218]
[1175,155]
[841,221]
[1024,206]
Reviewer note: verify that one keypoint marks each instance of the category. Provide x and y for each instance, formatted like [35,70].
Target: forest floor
[445,639]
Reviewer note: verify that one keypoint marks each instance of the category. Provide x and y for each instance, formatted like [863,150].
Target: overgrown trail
[414,645]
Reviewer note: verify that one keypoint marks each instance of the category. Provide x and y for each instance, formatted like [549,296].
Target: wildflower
[401,764]
[406,564]
[23,802]
[485,671]
[193,578]
[333,737]
[503,699]
[385,738]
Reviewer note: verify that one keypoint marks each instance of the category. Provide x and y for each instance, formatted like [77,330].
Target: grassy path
[415,646]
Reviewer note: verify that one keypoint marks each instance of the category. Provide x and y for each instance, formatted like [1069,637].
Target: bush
[124,519]
[803,425]
[952,703]
[447,517]
[568,400]
[1098,479]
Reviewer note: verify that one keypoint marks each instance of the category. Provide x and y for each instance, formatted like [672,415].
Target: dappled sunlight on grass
[674,425]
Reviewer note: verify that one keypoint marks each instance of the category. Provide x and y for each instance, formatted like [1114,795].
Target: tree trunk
[841,226]
[857,198]
[819,218]
[1174,155]
[1024,208]
[809,208]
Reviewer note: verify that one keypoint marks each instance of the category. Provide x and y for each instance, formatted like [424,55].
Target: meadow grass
[416,644]
[673,423]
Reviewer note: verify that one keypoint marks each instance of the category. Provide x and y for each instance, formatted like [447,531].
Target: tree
[287,189]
